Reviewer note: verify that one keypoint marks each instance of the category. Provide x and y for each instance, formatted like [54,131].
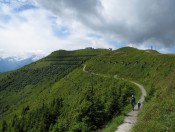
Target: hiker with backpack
[133,102]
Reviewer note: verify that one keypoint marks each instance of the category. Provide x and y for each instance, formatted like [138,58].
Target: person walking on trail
[139,104]
[133,102]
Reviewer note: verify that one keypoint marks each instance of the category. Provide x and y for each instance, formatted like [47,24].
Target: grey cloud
[2,27]
[83,6]
[86,11]
[155,23]
[154,19]
[78,6]
[158,21]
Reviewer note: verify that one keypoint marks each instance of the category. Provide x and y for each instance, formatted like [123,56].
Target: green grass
[118,119]
[60,75]
[152,69]
[102,89]
[27,95]
[31,84]
[115,122]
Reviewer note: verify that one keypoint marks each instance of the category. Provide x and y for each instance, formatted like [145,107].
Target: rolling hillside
[54,94]
[152,69]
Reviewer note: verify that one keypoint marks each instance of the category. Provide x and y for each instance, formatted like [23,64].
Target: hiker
[132,102]
[139,104]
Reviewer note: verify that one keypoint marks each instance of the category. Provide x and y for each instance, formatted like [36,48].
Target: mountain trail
[131,117]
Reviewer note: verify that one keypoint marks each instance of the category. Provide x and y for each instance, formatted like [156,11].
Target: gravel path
[131,117]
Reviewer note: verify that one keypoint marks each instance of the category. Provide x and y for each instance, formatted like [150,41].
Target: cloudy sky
[39,27]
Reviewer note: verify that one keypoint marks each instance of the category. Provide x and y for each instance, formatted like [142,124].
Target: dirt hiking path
[131,117]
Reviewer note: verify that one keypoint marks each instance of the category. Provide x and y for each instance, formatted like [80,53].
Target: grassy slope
[55,76]
[102,90]
[118,119]
[19,88]
[156,72]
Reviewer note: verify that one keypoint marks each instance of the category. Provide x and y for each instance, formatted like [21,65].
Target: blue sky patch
[61,32]
[25,7]
[4,18]
[94,36]
[5,1]
[116,44]
[52,19]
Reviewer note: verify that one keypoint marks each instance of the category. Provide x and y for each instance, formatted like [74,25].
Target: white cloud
[67,25]
[125,21]
[32,30]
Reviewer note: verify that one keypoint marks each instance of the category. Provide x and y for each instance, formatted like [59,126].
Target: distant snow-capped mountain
[13,63]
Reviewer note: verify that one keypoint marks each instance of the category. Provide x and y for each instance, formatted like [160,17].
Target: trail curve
[131,117]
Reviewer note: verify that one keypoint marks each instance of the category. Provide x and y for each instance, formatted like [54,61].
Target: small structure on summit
[89,48]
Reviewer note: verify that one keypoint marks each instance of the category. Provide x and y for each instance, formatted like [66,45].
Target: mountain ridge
[59,77]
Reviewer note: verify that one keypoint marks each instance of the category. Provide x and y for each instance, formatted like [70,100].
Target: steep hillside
[54,94]
[153,70]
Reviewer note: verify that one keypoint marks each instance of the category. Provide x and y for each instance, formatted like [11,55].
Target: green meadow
[55,94]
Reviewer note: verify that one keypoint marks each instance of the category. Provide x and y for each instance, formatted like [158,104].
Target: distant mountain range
[13,63]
